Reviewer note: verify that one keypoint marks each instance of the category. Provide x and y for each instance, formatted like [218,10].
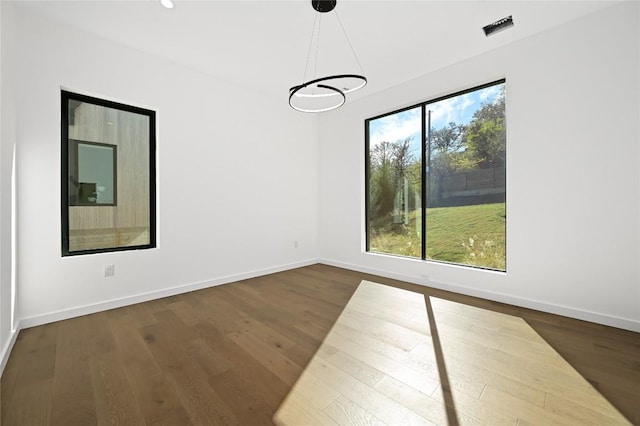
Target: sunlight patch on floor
[398,357]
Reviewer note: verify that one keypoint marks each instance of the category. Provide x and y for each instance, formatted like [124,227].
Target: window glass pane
[109,198]
[395,184]
[466,190]
[464,152]
[92,173]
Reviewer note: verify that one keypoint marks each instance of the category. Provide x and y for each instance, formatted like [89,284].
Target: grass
[470,235]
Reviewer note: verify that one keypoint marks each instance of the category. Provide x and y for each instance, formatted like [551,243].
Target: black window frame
[65,98]
[424,190]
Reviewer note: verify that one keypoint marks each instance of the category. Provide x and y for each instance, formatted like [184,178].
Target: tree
[389,164]
[449,155]
[486,135]
[447,139]
[381,154]
[381,180]
[381,191]
[402,158]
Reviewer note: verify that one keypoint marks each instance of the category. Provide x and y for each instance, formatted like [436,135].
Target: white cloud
[393,128]
[490,93]
[457,110]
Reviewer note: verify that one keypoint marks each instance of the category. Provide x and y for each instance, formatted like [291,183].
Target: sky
[457,109]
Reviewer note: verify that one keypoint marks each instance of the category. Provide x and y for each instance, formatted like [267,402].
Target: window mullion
[423,214]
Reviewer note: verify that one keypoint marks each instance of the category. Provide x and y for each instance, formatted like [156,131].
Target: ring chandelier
[324,93]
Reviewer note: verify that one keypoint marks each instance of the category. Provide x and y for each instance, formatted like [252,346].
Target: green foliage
[381,191]
[470,235]
[448,139]
[447,151]
[401,239]
[390,164]
[485,253]
[450,228]
[486,134]
[457,148]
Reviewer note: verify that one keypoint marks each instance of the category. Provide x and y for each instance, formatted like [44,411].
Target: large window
[108,176]
[436,179]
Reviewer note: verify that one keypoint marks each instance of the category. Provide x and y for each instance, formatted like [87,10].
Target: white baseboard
[596,317]
[145,297]
[567,311]
[6,350]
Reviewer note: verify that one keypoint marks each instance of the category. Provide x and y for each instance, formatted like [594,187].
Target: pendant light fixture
[321,94]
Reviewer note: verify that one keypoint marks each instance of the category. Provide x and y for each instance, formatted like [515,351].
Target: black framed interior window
[108,176]
[436,179]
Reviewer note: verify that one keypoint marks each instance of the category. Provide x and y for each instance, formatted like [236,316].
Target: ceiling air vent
[499,25]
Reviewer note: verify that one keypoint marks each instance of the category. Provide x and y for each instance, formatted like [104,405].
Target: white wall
[237,176]
[7,138]
[572,172]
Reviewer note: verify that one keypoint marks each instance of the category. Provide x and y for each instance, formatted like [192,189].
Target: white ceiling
[262,45]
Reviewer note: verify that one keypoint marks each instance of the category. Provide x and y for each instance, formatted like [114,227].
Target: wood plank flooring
[231,354]
[400,357]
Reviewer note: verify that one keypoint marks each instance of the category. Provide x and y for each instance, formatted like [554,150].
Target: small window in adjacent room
[92,173]
[108,176]
[436,179]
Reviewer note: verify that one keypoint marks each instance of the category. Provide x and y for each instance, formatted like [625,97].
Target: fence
[475,187]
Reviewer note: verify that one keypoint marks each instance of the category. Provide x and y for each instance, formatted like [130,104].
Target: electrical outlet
[109,270]
[295,244]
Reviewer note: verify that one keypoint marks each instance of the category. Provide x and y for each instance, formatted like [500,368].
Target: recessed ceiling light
[167,3]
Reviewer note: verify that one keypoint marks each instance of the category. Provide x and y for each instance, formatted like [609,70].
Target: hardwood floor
[231,355]
[400,357]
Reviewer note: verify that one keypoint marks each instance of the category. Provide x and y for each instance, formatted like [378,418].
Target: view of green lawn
[471,235]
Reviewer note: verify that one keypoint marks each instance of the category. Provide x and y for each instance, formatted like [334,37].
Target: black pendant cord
[315,62]
[324,90]
[353,51]
[313,32]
